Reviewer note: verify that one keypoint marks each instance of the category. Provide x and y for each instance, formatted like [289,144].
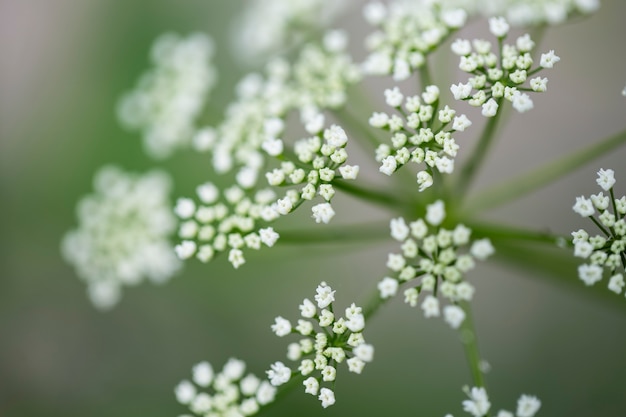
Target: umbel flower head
[122,234]
[434,257]
[500,75]
[168,99]
[327,341]
[421,133]
[228,393]
[538,12]
[606,250]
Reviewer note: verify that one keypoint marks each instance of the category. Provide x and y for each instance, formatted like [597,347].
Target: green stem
[503,232]
[343,234]
[470,346]
[471,168]
[424,75]
[512,190]
[374,196]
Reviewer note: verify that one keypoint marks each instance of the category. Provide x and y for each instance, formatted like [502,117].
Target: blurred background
[64,63]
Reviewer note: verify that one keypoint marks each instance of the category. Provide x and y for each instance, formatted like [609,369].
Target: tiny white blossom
[323,212]
[527,406]
[324,296]
[453,315]
[461,123]
[549,59]
[311,385]
[482,249]
[590,274]
[394,97]
[281,326]
[583,206]
[430,306]
[278,374]
[327,397]
[185,208]
[387,287]
[606,179]
[498,26]
[185,392]
[435,213]
[203,374]
[616,283]
[399,229]
[478,405]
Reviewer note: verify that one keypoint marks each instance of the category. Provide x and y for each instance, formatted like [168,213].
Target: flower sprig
[606,250]
[500,77]
[420,133]
[431,254]
[327,341]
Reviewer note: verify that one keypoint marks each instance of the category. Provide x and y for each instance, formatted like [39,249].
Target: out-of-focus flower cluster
[122,234]
[228,393]
[431,254]
[607,249]
[407,31]
[168,99]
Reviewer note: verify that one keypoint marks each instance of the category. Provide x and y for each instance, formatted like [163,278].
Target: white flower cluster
[538,12]
[320,159]
[478,404]
[228,393]
[266,27]
[230,224]
[406,32]
[316,81]
[500,77]
[327,341]
[420,134]
[168,99]
[607,249]
[435,259]
[122,234]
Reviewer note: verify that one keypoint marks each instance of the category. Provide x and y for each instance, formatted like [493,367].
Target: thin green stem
[424,75]
[375,196]
[516,188]
[470,346]
[484,143]
[496,231]
[338,234]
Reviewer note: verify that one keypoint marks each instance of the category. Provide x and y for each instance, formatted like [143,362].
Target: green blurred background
[64,63]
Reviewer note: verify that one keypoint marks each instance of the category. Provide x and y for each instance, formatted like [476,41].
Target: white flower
[461,123]
[323,212]
[430,306]
[482,249]
[203,374]
[185,392]
[349,172]
[311,385]
[435,213]
[324,296]
[399,229]
[335,136]
[327,397]
[453,315]
[185,208]
[527,406]
[272,146]
[268,236]
[364,352]
[549,59]
[583,206]
[424,180]
[388,166]
[590,274]
[394,97]
[616,283]
[281,326]
[387,287]
[478,405]
[522,102]
[606,179]
[498,26]
[461,47]
[278,374]
[490,108]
